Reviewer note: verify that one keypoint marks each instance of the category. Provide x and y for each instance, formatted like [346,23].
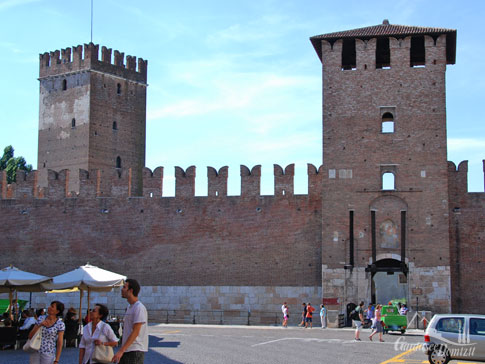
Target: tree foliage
[11,164]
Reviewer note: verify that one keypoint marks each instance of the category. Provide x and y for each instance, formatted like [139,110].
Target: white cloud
[466,144]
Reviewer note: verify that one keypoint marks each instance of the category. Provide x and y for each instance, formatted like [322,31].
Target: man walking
[358,318]
[135,333]
[309,315]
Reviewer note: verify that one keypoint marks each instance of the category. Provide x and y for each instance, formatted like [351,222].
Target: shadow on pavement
[157,342]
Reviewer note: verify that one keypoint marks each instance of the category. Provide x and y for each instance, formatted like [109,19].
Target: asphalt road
[244,344]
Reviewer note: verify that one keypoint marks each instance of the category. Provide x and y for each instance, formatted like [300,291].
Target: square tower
[92,112]
[385,194]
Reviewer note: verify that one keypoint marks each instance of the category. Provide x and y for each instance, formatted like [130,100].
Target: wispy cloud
[466,144]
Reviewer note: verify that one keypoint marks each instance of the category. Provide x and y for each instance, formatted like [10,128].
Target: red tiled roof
[389,30]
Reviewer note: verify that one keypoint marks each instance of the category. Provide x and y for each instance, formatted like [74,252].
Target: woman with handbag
[52,335]
[376,324]
[98,338]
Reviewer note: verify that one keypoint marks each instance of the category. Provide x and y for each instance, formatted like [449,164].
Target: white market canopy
[12,278]
[88,278]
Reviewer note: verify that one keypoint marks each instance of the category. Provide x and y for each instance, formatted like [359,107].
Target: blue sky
[231,82]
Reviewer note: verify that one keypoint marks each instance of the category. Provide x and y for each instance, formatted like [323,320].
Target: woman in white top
[97,332]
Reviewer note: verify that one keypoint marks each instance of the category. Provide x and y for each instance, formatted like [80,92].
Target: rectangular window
[349,55]
[383,53]
[477,326]
[418,55]
[451,324]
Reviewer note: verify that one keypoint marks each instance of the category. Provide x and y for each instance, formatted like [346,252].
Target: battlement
[458,180]
[118,183]
[74,59]
[386,46]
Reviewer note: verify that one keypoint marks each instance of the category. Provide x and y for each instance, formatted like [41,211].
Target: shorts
[358,325]
[378,327]
[133,357]
[308,319]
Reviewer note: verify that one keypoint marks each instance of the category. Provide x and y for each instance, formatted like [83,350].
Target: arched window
[115,125]
[388,181]
[118,89]
[118,162]
[64,85]
[387,123]
[73,123]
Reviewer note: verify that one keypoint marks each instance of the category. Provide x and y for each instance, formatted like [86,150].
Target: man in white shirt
[135,331]
[29,320]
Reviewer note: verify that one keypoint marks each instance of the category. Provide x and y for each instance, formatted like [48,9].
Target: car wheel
[402,332]
[439,355]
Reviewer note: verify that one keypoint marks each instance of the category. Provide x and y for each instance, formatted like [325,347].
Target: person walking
[303,315]
[377,324]
[309,315]
[323,316]
[286,314]
[134,343]
[96,332]
[52,335]
[358,318]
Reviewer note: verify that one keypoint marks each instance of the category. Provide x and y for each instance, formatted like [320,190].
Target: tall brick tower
[385,193]
[92,112]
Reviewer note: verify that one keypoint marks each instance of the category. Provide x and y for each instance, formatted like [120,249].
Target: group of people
[373,314]
[96,333]
[306,315]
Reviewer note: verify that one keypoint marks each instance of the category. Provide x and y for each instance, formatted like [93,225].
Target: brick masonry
[221,252]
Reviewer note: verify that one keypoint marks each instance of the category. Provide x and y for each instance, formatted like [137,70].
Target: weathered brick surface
[467,242]
[186,240]
[92,112]
[356,153]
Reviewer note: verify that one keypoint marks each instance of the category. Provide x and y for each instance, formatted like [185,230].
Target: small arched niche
[388,181]
[387,125]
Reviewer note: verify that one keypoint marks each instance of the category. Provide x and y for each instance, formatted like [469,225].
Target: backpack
[354,315]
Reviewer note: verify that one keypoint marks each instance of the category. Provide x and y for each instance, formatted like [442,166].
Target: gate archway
[389,280]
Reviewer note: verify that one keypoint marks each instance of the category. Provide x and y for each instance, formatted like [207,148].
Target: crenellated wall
[218,240]
[119,183]
[73,60]
[467,241]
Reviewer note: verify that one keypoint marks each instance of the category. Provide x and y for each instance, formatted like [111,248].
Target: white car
[455,336]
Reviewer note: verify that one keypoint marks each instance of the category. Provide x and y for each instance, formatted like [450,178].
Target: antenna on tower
[91,21]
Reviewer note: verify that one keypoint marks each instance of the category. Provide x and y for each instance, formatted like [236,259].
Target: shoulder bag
[32,345]
[102,354]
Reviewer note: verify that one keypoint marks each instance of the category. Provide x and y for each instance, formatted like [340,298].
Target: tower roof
[389,30]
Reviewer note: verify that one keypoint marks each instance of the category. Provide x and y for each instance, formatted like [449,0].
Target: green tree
[11,164]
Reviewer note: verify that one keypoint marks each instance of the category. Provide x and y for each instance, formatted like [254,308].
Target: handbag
[33,344]
[102,354]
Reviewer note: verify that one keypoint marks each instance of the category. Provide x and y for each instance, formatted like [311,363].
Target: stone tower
[385,230]
[92,112]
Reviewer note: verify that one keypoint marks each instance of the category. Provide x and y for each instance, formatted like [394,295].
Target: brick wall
[467,242]
[183,240]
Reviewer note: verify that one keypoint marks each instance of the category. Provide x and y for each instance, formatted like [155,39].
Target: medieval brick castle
[386,216]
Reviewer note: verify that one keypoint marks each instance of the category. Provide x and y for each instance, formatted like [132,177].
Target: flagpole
[91,21]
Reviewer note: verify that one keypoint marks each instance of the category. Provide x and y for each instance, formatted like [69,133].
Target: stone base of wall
[428,288]
[236,305]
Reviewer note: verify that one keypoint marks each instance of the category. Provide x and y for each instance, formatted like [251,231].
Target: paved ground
[242,344]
